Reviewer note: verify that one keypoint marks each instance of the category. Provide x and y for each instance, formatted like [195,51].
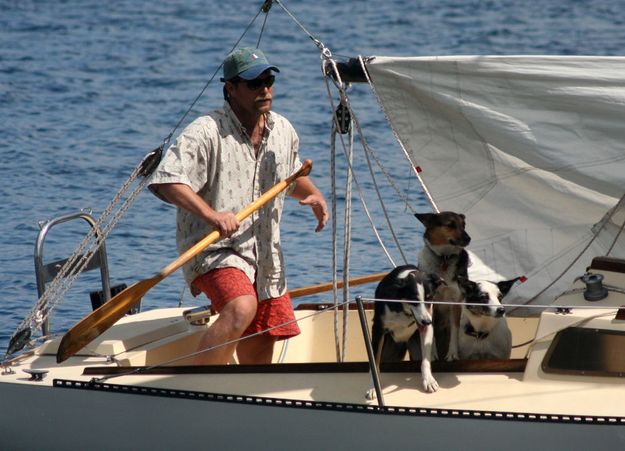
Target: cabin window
[584,351]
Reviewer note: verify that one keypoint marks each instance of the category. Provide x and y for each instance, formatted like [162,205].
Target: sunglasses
[257,83]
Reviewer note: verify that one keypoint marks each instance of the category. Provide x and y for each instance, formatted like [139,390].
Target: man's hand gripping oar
[98,321]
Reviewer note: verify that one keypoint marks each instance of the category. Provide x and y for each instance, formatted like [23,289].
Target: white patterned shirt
[215,157]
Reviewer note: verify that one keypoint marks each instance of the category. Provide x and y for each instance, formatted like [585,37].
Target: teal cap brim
[254,72]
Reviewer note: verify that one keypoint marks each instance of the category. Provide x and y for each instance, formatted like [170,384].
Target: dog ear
[467,286]
[505,285]
[435,280]
[409,280]
[425,218]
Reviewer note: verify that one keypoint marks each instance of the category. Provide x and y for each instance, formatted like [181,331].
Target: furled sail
[530,148]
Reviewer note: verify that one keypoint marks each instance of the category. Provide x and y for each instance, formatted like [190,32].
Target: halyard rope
[361,193]
[347,150]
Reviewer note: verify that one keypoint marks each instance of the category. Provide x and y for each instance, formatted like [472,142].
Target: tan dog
[444,255]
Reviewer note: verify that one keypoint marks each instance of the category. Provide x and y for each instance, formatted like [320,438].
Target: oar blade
[101,319]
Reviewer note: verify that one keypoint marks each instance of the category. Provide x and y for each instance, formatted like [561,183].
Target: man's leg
[256,350]
[275,319]
[233,319]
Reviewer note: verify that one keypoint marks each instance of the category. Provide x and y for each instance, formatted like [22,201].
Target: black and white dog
[400,327]
[484,332]
[444,254]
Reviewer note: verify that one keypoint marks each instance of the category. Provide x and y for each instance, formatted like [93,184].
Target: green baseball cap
[247,63]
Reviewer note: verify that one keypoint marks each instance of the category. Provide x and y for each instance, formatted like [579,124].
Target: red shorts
[222,285]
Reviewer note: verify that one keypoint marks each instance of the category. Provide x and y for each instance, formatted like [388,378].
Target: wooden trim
[608,264]
[323,287]
[459,366]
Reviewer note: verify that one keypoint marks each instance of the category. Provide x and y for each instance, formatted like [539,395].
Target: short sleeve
[187,160]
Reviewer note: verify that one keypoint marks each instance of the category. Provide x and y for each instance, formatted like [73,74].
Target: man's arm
[307,193]
[183,196]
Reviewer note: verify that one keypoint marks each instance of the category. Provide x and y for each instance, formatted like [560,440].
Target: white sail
[530,148]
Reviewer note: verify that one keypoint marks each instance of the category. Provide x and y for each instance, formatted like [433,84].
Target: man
[219,164]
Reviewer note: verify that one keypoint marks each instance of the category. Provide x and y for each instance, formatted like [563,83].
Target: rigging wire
[335,243]
[347,238]
[79,260]
[415,168]
[359,188]
[326,55]
[317,42]
[85,251]
[337,129]
[367,151]
[334,237]
[197,98]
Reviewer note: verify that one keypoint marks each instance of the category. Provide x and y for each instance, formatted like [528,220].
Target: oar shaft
[323,287]
[241,215]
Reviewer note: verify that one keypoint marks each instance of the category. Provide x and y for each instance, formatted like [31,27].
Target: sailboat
[530,150]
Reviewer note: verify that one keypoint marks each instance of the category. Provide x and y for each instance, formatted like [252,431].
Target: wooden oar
[98,321]
[323,287]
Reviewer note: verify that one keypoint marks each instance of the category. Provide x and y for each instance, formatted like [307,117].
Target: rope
[367,151]
[341,350]
[347,238]
[348,151]
[360,191]
[334,240]
[416,169]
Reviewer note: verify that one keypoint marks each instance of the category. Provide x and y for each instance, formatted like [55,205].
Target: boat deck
[307,372]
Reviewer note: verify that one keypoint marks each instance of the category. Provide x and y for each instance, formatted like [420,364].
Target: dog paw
[452,354]
[429,384]
[370,394]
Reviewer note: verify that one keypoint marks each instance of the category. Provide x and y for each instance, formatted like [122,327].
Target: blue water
[88,87]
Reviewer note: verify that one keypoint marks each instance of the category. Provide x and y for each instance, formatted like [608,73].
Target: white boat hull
[308,401]
[73,416]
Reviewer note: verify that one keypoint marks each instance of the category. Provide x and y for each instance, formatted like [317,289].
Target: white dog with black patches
[405,327]
[484,331]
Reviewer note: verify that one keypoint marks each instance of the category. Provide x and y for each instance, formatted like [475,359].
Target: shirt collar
[235,120]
